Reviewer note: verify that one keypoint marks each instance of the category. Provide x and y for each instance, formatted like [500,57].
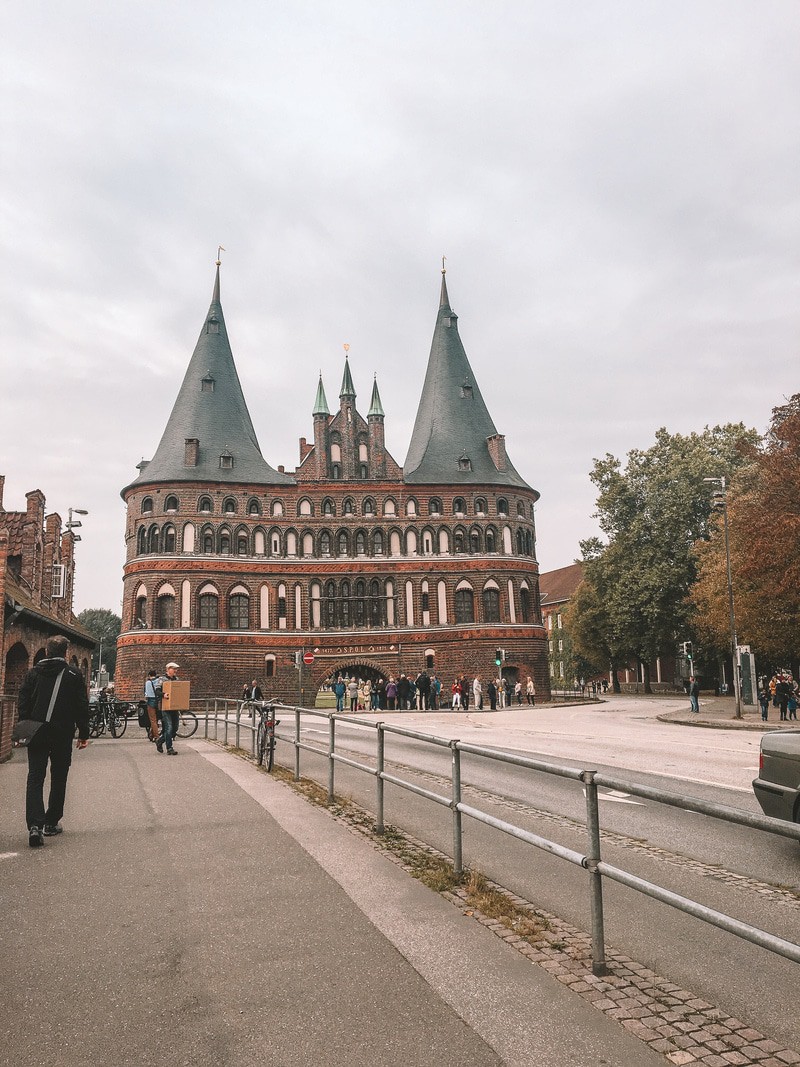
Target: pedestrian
[782,693]
[518,691]
[152,695]
[391,693]
[530,691]
[436,692]
[763,699]
[491,692]
[456,694]
[508,691]
[352,690]
[694,694]
[339,691]
[54,694]
[465,688]
[379,695]
[170,720]
[477,693]
[403,687]
[253,691]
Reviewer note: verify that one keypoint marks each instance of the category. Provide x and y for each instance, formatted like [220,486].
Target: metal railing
[218,713]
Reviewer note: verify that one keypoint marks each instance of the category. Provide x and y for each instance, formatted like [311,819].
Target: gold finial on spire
[346,351]
[219,249]
[444,269]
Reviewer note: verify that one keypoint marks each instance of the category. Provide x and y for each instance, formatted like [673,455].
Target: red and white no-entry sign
[308,658]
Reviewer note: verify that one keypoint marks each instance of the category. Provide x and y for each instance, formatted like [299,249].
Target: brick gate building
[233,567]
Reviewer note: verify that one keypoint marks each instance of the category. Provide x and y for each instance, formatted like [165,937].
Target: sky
[615,185]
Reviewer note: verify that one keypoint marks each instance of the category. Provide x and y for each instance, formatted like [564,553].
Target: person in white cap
[170,720]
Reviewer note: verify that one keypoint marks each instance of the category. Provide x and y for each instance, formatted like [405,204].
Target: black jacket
[72,704]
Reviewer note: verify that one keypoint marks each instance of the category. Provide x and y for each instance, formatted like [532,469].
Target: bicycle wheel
[187,725]
[270,753]
[261,738]
[117,724]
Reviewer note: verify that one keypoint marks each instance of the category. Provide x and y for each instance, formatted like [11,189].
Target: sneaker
[171,752]
[50,830]
[160,744]
[35,837]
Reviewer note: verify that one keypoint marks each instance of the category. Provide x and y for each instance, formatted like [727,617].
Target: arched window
[253,507]
[171,503]
[229,507]
[491,541]
[330,604]
[305,507]
[520,543]
[152,542]
[376,604]
[520,510]
[502,506]
[269,666]
[389,507]
[328,507]
[239,611]
[324,543]
[169,538]
[411,507]
[480,506]
[165,611]
[347,507]
[208,541]
[491,604]
[147,506]
[458,540]
[475,540]
[377,543]
[528,543]
[361,543]
[141,541]
[343,549]
[140,609]
[277,508]
[209,611]
[242,543]
[369,506]
[344,604]
[525,603]
[204,505]
[459,506]
[336,472]
[359,604]
[225,541]
[434,506]
[464,604]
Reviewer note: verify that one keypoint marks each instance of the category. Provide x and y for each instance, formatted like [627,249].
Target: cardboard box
[176,695]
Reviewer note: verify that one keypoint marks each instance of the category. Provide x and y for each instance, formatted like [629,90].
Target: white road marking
[8,855]
[617,797]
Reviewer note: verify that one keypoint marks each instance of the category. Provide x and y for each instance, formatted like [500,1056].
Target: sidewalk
[719,713]
[197,912]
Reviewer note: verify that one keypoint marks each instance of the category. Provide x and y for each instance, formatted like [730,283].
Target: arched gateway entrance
[362,669]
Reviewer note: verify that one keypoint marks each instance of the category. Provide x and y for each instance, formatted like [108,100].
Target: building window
[204,505]
[153,539]
[458,541]
[226,461]
[377,543]
[208,543]
[242,544]
[347,507]
[336,472]
[328,507]
[344,604]
[169,538]
[282,606]
[147,506]
[171,503]
[466,391]
[325,543]
[165,612]
[239,613]
[502,507]
[229,507]
[359,604]
[490,543]
[207,384]
[369,507]
[525,603]
[269,666]
[459,507]
[330,605]
[342,542]
[254,508]
[491,605]
[361,543]
[434,506]
[474,541]
[142,541]
[464,605]
[464,462]
[426,602]
[377,605]
[140,612]
[225,543]
[480,506]
[209,611]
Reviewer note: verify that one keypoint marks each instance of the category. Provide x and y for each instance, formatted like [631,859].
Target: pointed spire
[348,389]
[375,406]
[320,403]
[450,441]
[211,410]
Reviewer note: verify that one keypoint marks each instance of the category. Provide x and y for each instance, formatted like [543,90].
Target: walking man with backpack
[152,694]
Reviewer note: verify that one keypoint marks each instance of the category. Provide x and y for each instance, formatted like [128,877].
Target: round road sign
[308,658]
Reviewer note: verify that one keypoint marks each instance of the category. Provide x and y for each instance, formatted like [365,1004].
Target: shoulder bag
[26,729]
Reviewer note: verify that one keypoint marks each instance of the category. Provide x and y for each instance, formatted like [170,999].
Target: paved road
[197,912]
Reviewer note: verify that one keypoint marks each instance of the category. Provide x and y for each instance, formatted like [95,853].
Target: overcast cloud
[615,186]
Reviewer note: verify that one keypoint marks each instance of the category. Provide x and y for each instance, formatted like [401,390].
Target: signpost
[308,658]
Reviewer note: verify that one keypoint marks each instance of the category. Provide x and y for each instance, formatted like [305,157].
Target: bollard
[458,868]
[379,783]
[599,966]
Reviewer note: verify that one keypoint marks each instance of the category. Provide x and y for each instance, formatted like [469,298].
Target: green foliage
[103,625]
[633,603]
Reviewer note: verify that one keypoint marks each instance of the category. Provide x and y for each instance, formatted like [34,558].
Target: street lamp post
[74,524]
[720,500]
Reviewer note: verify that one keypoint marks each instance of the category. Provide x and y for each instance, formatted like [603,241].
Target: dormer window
[466,390]
[464,462]
[207,384]
[226,461]
[212,325]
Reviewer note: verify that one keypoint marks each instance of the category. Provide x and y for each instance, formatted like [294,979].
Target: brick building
[233,566]
[37,574]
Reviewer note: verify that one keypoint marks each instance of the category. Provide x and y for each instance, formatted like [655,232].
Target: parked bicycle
[265,733]
[187,724]
[111,716]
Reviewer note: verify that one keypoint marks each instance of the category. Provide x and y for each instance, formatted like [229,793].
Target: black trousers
[55,748]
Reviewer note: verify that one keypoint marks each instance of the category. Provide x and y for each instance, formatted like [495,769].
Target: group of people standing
[500,692]
[424,693]
[782,692]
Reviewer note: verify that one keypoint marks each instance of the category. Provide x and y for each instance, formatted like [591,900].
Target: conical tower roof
[375,406]
[321,402]
[450,440]
[211,408]
[348,389]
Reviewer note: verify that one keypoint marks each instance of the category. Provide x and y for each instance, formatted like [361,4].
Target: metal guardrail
[218,713]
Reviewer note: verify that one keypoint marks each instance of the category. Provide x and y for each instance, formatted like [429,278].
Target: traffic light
[687,649]
[298,659]
[499,656]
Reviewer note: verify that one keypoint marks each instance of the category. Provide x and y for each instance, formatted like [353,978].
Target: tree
[763,504]
[104,626]
[589,624]
[653,512]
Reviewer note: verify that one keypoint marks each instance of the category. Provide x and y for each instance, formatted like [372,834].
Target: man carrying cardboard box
[170,718]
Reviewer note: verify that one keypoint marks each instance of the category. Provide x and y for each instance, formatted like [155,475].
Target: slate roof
[453,422]
[558,586]
[321,402]
[375,407]
[216,416]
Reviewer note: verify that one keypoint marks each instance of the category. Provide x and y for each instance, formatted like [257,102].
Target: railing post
[379,782]
[252,731]
[225,713]
[297,744]
[595,878]
[455,755]
[331,749]
[238,721]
